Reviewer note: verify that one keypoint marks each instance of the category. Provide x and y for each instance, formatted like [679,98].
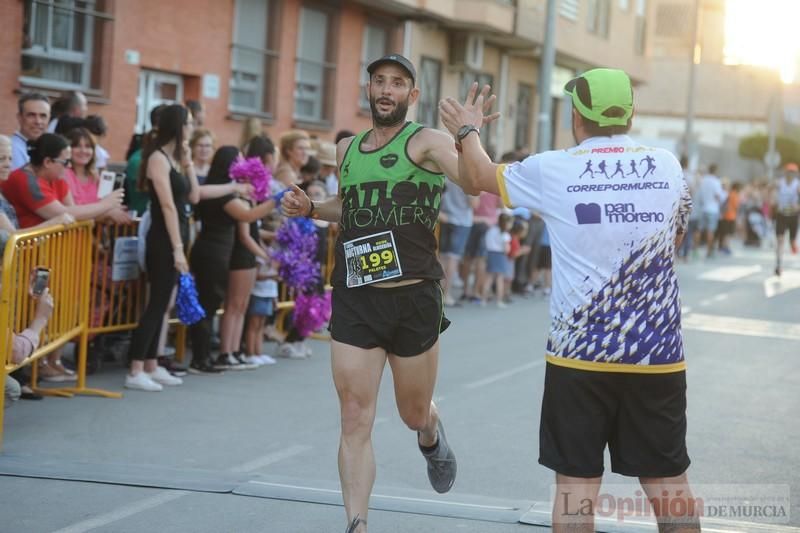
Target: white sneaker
[253,360]
[304,348]
[267,359]
[289,351]
[142,381]
[162,376]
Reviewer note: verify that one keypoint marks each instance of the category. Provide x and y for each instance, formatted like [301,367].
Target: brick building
[300,63]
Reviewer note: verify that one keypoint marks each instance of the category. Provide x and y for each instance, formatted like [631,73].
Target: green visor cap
[603,95]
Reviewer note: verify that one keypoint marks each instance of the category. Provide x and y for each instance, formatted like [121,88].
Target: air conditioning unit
[466,51]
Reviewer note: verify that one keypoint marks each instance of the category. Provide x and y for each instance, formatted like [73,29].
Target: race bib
[371,259]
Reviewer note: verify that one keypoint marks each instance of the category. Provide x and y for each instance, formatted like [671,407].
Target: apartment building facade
[730,101]
[300,63]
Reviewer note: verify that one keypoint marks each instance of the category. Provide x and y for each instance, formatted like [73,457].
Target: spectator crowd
[194,217]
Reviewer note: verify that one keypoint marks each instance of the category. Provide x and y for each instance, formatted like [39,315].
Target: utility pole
[544,139]
[694,59]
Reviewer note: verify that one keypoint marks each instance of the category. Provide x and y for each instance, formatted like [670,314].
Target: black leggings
[162,277]
[210,270]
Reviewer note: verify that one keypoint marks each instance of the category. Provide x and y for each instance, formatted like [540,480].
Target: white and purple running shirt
[613,209]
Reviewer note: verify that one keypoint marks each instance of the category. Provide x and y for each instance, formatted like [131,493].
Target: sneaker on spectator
[253,360]
[267,359]
[169,351]
[51,374]
[61,368]
[288,350]
[204,368]
[142,381]
[171,366]
[243,364]
[161,376]
[304,348]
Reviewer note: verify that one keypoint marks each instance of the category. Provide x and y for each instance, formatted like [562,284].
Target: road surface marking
[730,273]
[503,375]
[742,326]
[166,496]
[789,281]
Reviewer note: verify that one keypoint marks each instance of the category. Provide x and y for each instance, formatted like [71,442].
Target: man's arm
[475,169]
[296,203]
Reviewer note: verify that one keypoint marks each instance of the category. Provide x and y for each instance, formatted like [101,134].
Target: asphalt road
[278,426]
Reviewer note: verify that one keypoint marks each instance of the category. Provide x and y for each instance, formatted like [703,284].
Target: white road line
[742,326]
[789,281]
[271,458]
[124,512]
[730,273]
[503,375]
[166,496]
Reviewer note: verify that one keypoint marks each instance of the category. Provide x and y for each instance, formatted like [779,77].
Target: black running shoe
[203,368]
[441,463]
[171,366]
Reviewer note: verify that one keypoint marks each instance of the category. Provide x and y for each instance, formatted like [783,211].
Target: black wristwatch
[466,130]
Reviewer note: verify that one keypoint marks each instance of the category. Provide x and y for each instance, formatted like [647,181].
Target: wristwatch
[466,130]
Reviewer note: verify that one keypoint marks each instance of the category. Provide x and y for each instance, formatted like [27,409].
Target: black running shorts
[404,321]
[784,223]
[641,417]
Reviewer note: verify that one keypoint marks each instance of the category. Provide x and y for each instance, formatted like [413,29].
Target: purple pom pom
[254,172]
[311,312]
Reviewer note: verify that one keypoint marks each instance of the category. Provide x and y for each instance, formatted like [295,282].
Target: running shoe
[442,465]
[204,368]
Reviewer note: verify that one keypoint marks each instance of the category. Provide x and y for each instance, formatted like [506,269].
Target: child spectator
[498,245]
[261,310]
[518,232]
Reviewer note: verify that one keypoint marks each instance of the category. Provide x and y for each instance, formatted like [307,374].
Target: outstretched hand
[295,202]
[472,112]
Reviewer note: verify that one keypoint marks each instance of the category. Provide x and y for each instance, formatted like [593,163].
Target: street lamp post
[544,139]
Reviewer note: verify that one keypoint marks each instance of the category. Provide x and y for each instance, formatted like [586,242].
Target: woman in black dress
[211,255]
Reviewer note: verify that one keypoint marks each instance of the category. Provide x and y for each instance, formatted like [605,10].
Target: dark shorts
[476,242]
[404,321]
[453,239]
[641,417]
[784,223]
[545,259]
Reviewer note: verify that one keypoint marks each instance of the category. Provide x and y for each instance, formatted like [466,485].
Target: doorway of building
[155,88]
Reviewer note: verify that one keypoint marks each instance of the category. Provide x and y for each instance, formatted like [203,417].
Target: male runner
[615,364]
[387,302]
[787,207]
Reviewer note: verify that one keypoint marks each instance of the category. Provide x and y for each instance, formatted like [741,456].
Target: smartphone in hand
[40,279]
[106,185]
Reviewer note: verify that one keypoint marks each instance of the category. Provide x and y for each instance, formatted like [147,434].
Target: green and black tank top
[384,190]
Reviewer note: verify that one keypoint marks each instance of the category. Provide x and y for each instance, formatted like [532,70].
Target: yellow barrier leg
[80,387]
[3,374]
[180,343]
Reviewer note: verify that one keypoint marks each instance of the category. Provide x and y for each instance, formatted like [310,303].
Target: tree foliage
[755,147]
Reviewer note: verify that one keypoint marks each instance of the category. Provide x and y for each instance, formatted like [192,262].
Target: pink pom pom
[254,172]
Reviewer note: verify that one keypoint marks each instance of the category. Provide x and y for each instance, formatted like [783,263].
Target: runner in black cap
[387,302]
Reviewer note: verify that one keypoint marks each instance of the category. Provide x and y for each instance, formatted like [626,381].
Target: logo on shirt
[639,168]
[620,213]
[588,213]
[389,160]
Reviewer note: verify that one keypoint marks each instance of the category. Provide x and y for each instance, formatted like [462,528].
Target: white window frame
[640,28]
[326,66]
[263,84]
[51,53]
[367,56]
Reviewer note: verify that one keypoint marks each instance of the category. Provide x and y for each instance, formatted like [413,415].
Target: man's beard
[394,118]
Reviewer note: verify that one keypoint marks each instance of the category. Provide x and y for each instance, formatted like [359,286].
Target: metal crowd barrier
[67,252]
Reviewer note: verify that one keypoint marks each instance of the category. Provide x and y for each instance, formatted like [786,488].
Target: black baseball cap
[397,59]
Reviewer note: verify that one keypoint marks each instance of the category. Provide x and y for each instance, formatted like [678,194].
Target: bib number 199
[375,259]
